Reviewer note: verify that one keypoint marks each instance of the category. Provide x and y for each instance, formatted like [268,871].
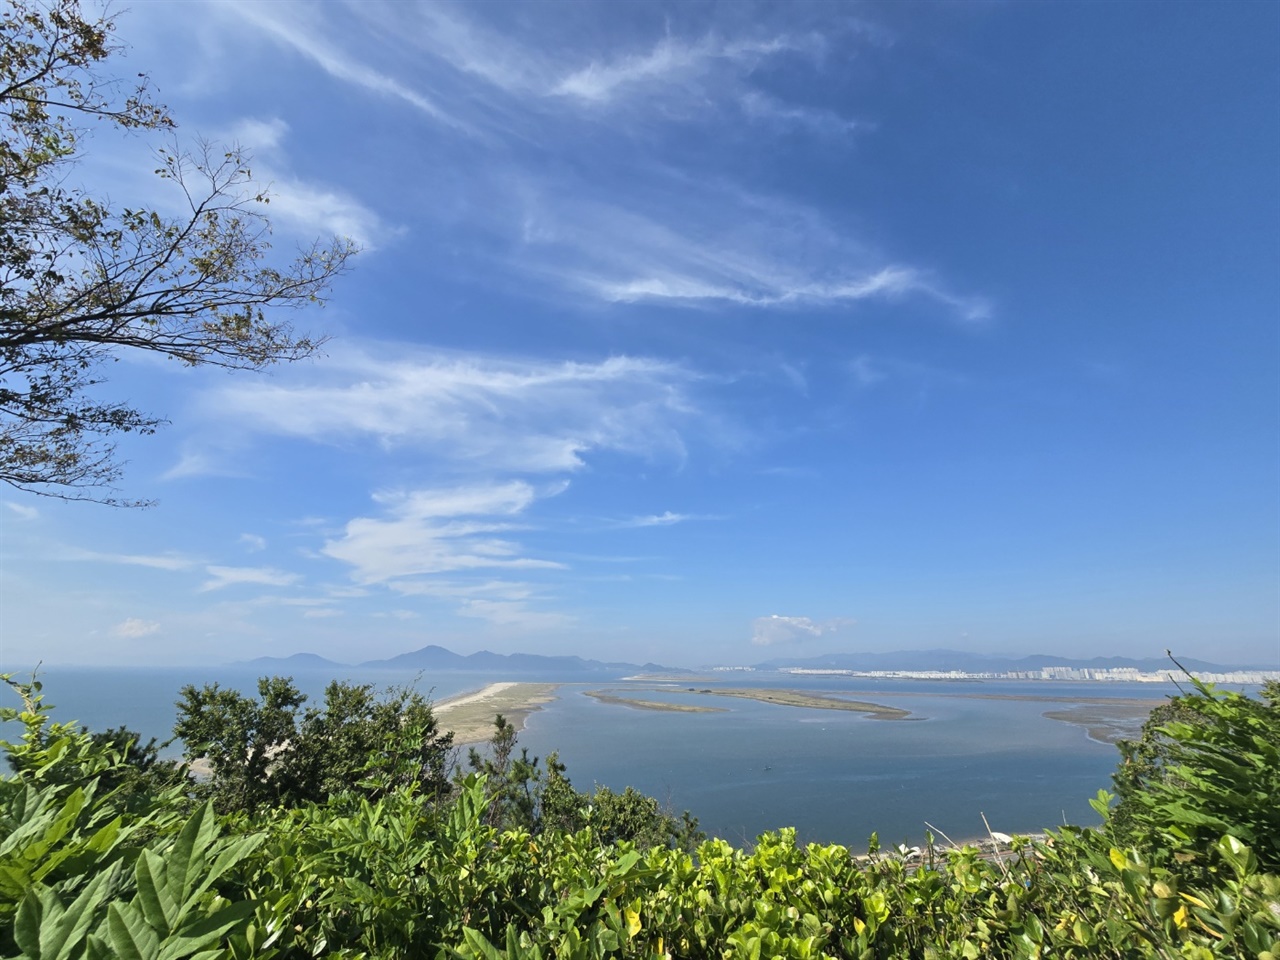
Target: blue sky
[711,333]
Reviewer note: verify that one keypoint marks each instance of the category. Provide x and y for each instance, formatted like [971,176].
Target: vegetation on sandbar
[605,696]
[815,701]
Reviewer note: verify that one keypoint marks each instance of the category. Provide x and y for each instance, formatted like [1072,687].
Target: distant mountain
[299,661]
[434,657]
[979,663]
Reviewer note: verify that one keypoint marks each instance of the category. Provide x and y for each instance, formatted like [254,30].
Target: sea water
[836,776]
[839,776]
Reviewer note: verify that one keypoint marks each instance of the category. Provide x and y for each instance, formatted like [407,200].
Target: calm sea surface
[835,776]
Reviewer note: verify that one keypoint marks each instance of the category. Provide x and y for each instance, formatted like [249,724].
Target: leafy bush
[88,870]
[1207,764]
[269,751]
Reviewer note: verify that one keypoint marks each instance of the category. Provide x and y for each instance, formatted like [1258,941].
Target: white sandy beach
[487,693]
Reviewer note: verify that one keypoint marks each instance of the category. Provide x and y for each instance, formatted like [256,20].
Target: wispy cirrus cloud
[22,511]
[220,577]
[721,247]
[699,246]
[664,519]
[306,36]
[163,561]
[306,207]
[763,108]
[675,61]
[476,412]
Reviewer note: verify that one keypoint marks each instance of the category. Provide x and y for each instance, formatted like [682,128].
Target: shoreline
[469,716]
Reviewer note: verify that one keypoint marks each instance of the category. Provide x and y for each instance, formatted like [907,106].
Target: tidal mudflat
[611,696]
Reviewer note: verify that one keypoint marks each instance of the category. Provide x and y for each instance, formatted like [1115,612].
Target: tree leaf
[154,895]
[203,932]
[131,938]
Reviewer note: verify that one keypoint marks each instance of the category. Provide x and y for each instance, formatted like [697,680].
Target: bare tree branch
[82,283]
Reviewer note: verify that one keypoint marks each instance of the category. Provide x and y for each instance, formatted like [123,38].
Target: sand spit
[470,716]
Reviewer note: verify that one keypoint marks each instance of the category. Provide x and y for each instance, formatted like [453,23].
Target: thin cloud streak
[676,252]
[220,577]
[670,61]
[338,65]
[664,519]
[167,561]
[478,412]
[726,247]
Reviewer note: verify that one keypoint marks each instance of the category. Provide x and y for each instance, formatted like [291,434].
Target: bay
[970,749]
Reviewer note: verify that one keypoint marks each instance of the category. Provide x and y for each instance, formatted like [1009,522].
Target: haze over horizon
[706,333]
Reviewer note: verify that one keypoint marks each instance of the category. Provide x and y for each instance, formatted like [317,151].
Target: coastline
[469,717]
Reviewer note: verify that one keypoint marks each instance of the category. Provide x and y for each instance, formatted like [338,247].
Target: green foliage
[81,283]
[520,796]
[1207,764]
[93,863]
[269,752]
[511,780]
[391,873]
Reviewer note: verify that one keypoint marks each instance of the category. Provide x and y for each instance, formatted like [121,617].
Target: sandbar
[605,696]
[470,716]
[794,698]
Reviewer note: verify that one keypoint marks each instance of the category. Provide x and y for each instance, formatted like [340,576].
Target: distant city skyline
[707,334]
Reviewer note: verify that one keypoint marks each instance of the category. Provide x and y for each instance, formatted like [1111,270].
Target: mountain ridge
[436,657]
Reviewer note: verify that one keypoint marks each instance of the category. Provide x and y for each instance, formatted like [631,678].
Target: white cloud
[664,519]
[259,137]
[166,561]
[231,576]
[252,542]
[678,249]
[314,613]
[480,413]
[761,107]
[424,532]
[671,61]
[290,30]
[776,629]
[22,510]
[308,208]
[715,246]
[133,628]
